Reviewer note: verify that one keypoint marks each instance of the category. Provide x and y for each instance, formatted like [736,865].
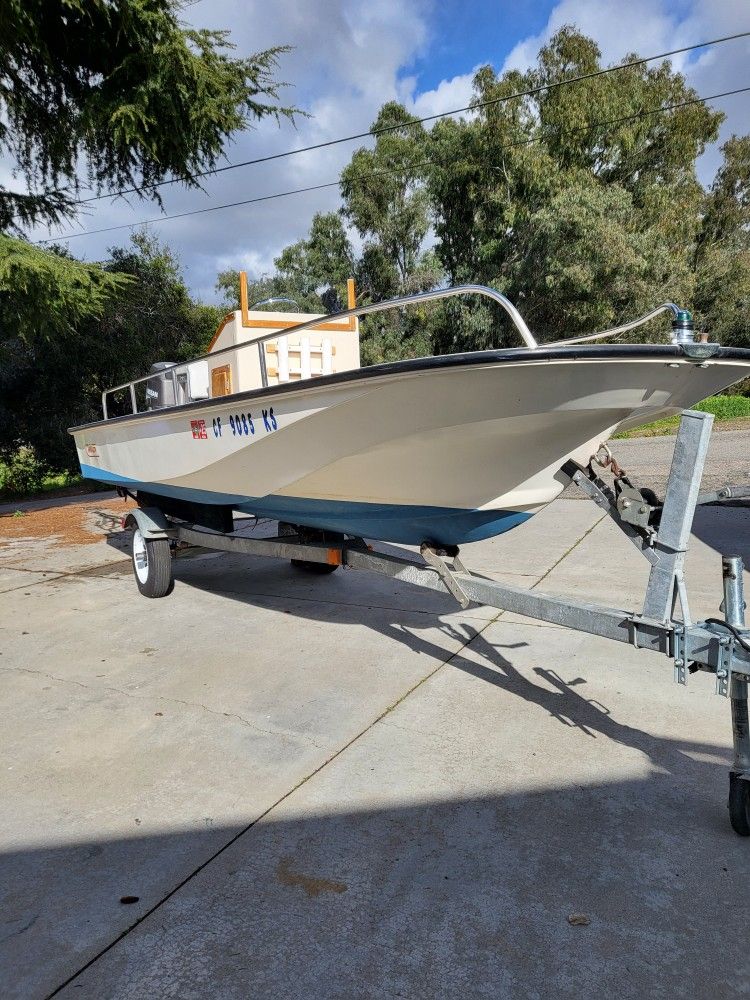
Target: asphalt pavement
[649,459]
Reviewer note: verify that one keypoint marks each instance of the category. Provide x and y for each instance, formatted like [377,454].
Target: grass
[723,408]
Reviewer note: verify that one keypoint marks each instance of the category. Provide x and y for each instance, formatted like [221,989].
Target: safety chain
[608,461]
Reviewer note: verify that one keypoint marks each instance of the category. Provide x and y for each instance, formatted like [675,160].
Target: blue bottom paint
[404,523]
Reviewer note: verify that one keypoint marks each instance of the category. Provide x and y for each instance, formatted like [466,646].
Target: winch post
[665,578]
[734,612]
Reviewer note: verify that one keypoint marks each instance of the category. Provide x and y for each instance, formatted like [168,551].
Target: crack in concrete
[284,734]
[56,575]
[23,586]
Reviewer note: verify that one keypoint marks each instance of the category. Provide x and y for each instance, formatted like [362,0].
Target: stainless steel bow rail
[659,529]
[682,330]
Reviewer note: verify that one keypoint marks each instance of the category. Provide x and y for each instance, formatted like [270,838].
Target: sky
[348,57]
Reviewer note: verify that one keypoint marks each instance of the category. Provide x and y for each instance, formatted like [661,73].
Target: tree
[44,294]
[722,257]
[122,87]
[589,260]
[118,95]
[153,318]
[120,90]
[317,268]
[386,200]
[384,195]
[313,271]
[46,387]
[577,201]
[266,286]
[227,284]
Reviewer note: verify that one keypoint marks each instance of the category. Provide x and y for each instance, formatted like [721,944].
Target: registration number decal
[237,424]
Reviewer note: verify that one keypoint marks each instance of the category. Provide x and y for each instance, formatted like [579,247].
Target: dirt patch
[735,424]
[311,884]
[66,524]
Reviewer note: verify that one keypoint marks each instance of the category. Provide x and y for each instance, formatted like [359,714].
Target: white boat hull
[451,454]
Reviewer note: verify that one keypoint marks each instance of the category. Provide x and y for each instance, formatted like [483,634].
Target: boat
[279,420]
[432,452]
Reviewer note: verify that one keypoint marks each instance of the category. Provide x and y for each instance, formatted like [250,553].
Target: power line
[196,211]
[416,121]
[329,184]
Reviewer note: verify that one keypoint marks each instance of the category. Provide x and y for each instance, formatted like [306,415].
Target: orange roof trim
[274,324]
[227,319]
[349,324]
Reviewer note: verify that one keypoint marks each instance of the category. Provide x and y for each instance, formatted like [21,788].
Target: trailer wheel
[322,569]
[152,565]
[312,535]
[739,804]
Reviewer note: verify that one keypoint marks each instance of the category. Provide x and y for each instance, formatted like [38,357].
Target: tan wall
[339,347]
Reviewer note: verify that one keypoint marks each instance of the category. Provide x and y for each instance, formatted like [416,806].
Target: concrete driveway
[272,785]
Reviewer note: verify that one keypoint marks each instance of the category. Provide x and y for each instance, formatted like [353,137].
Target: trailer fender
[150,522]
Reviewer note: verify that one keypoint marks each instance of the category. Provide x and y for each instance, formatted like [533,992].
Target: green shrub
[22,474]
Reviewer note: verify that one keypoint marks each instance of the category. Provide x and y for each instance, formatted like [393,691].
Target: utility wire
[197,211]
[329,184]
[416,121]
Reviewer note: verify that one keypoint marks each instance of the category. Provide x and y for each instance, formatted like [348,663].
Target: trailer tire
[152,565]
[321,569]
[739,804]
[312,535]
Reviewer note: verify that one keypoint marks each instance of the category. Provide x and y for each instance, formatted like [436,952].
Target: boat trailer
[659,529]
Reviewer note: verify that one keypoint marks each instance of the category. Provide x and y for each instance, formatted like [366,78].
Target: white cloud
[638,26]
[447,96]
[651,26]
[348,59]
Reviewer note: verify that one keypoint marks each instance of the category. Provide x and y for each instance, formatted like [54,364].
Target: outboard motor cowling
[160,390]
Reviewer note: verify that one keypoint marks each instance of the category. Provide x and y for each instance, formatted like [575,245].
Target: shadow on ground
[357,887]
[564,701]
[465,898]
[714,525]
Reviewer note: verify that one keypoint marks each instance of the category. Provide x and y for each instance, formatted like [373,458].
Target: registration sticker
[198,427]
[91,451]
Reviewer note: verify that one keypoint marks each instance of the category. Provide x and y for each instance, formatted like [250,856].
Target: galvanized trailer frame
[660,531]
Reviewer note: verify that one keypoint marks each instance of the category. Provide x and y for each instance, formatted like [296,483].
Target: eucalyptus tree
[317,268]
[722,256]
[579,200]
[312,272]
[385,198]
